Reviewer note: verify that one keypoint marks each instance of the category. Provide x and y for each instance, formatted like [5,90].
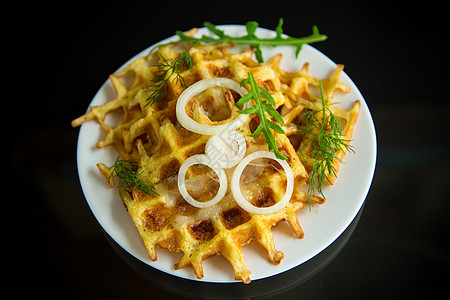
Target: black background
[395,54]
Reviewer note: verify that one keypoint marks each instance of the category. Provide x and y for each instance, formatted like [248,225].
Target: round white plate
[322,225]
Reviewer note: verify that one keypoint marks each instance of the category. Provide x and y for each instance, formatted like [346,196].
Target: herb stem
[260,108]
[167,72]
[125,171]
[251,39]
[323,136]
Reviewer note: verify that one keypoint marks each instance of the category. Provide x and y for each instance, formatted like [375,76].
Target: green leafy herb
[260,108]
[252,39]
[125,170]
[323,129]
[168,70]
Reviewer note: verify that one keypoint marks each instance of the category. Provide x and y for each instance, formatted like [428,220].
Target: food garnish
[252,40]
[324,132]
[219,155]
[168,70]
[125,171]
[196,89]
[244,203]
[261,107]
[201,159]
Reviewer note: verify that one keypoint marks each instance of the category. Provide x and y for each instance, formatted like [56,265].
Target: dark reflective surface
[394,54]
[268,287]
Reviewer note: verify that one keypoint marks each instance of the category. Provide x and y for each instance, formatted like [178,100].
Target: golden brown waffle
[151,136]
[300,98]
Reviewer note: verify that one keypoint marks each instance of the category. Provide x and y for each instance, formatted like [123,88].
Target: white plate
[322,225]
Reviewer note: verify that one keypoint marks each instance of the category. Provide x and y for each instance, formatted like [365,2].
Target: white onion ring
[236,190]
[196,89]
[201,159]
[220,148]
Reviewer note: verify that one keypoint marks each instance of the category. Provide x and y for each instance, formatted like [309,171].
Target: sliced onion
[236,190]
[196,89]
[201,159]
[226,149]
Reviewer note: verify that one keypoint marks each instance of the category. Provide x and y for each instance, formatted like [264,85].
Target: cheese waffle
[151,136]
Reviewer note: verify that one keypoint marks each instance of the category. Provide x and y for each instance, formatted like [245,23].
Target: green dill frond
[167,70]
[323,131]
[126,173]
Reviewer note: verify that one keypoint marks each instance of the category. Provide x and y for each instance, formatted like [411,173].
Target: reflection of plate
[322,225]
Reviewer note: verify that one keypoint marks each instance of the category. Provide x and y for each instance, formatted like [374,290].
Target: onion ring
[201,159]
[223,150]
[196,89]
[236,190]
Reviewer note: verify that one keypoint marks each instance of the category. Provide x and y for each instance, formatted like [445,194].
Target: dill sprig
[260,108]
[167,70]
[324,132]
[125,171]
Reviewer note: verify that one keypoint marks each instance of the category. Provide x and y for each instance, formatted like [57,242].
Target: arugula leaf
[260,108]
[252,40]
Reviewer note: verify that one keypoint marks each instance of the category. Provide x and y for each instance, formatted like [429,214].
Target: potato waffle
[152,136]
